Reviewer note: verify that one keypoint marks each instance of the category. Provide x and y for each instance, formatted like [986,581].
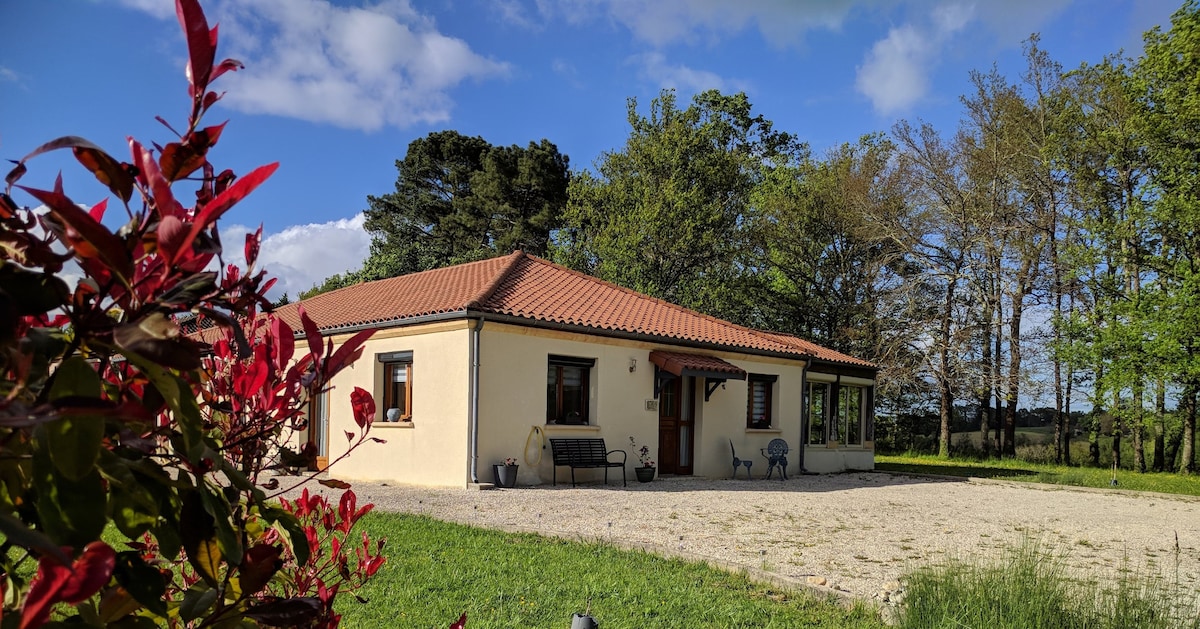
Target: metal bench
[585,453]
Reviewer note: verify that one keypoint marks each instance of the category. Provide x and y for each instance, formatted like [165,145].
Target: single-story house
[479,362]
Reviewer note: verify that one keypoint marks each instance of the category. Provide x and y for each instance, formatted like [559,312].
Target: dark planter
[505,475]
[644,474]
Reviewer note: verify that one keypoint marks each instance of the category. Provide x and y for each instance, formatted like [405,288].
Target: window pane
[853,404]
[551,394]
[573,399]
[817,409]
[759,410]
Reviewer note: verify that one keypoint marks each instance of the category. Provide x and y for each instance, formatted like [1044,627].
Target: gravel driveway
[858,532]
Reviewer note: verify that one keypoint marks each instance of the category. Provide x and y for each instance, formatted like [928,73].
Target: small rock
[885,596]
[817,580]
[892,586]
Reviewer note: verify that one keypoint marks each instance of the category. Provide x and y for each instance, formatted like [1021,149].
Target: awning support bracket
[661,377]
[710,385]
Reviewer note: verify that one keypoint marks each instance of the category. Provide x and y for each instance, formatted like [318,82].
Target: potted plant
[645,471]
[506,473]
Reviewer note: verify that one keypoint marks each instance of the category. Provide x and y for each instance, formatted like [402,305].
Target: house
[474,363]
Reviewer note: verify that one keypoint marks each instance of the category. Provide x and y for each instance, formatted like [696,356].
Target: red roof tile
[527,287]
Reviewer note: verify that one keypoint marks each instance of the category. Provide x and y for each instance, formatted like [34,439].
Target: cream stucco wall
[432,449]
[513,402]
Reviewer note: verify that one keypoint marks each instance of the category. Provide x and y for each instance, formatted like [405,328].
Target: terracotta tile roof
[527,287]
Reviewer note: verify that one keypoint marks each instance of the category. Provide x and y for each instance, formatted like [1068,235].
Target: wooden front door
[675,427]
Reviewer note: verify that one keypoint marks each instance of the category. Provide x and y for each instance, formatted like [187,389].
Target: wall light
[632,365]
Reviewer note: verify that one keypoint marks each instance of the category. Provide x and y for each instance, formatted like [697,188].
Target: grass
[437,570]
[1030,589]
[1013,469]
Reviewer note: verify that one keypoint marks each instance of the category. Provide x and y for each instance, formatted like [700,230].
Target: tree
[663,216]
[459,199]
[1170,98]
[111,417]
[825,272]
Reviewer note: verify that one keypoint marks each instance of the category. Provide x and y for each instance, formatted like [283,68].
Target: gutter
[473,408]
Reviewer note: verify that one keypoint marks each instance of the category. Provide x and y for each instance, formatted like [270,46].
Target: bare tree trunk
[1014,361]
[1160,426]
[985,387]
[947,394]
[1137,429]
[1066,447]
[1187,453]
[997,367]
[1117,428]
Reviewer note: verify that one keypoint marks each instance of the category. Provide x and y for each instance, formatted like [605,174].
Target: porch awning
[681,364]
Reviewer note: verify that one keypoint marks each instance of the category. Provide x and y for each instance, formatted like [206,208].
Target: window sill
[392,425]
[764,431]
[570,428]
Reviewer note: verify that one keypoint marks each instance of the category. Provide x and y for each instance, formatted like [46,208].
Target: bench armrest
[623,455]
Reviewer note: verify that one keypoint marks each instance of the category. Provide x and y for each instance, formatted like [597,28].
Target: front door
[675,426]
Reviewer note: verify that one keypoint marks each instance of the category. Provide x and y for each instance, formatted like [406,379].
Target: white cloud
[383,64]
[662,22]
[655,68]
[895,73]
[303,255]
[7,74]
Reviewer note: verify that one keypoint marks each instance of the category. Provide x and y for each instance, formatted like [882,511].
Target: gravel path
[859,532]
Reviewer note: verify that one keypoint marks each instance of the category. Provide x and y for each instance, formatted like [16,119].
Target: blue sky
[336,90]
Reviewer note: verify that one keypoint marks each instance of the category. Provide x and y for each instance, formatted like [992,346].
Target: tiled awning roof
[682,364]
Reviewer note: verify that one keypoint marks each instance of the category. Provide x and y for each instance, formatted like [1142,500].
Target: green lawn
[1010,469]
[437,570]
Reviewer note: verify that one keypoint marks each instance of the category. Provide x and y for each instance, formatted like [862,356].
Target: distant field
[1018,470]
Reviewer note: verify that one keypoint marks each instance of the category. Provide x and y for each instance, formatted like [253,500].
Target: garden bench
[585,453]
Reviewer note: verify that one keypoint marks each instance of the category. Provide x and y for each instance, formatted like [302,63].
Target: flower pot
[583,621]
[505,475]
[644,474]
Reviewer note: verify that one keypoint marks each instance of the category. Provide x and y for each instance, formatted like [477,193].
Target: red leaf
[285,342]
[311,334]
[231,195]
[461,623]
[106,170]
[347,353]
[363,406]
[253,241]
[164,199]
[97,210]
[334,483]
[349,435]
[201,49]
[228,65]
[261,562]
[43,592]
[171,232]
[102,242]
[89,573]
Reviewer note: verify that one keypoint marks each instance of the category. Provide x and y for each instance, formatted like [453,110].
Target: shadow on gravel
[803,483]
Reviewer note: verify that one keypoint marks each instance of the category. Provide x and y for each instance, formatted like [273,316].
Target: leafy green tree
[1169,92]
[459,199]
[664,214]
[826,272]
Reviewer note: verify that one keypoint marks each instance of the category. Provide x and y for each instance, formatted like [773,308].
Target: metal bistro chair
[776,454]
[743,462]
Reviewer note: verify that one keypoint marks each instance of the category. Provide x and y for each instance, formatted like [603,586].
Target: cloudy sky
[335,90]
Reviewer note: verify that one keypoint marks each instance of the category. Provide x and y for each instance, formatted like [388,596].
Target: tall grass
[1032,589]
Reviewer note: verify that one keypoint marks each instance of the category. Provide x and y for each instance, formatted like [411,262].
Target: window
[567,389]
[818,410]
[758,403]
[397,386]
[850,414]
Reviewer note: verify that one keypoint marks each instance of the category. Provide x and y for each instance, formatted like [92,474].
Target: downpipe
[473,408]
